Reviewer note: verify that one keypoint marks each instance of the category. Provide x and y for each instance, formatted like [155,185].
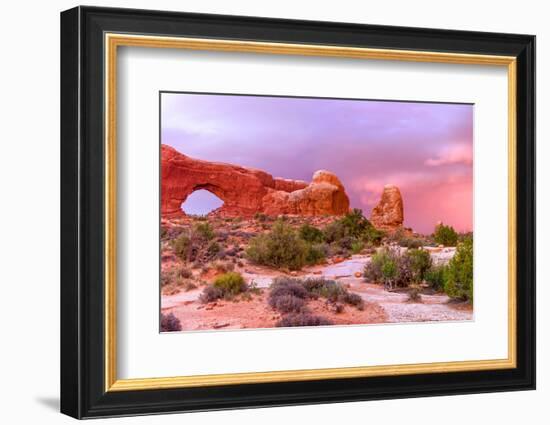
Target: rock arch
[246,191]
[202,201]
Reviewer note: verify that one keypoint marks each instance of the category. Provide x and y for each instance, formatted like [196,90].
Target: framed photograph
[261,212]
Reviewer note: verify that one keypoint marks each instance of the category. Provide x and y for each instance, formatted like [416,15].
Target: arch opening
[201,202]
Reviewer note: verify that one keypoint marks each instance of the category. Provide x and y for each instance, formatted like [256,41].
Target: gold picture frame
[114,41]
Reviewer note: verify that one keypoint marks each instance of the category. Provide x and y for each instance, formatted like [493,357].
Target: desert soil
[381,306]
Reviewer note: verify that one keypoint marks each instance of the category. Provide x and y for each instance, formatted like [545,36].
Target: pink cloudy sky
[423,148]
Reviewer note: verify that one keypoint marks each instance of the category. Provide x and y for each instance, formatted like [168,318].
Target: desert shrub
[435,276]
[346,242]
[169,323]
[390,272]
[303,319]
[320,287]
[373,269]
[188,285]
[373,236]
[164,233]
[210,293]
[280,248]
[357,247]
[213,249]
[315,253]
[411,243]
[353,299]
[350,229]
[414,296]
[184,247]
[311,234]
[460,272]
[230,283]
[333,232]
[332,291]
[419,262]
[223,267]
[464,236]
[185,273]
[388,267]
[166,277]
[445,235]
[287,286]
[355,224]
[204,231]
[287,303]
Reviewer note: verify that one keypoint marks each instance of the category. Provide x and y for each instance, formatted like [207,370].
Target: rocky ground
[251,310]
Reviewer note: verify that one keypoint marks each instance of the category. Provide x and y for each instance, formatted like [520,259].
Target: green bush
[311,234]
[280,248]
[373,236]
[357,247]
[231,283]
[350,229]
[316,253]
[392,268]
[381,266]
[184,247]
[332,291]
[355,224]
[204,231]
[435,276]
[459,277]
[445,235]
[420,262]
[213,249]
[411,242]
[333,232]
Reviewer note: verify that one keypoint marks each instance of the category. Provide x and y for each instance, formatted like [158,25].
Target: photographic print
[282,212]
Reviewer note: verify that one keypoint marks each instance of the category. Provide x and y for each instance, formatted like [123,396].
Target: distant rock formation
[388,214]
[247,191]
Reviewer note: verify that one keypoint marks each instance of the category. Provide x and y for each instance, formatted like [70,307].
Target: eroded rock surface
[388,213]
[247,191]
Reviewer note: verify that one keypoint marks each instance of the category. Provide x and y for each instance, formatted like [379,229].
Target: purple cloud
[424,148]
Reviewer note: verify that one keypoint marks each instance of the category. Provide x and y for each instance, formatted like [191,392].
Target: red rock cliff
[246,191]
[388,214]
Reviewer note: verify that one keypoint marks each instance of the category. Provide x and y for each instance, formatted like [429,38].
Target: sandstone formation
[247,191]
[388,214]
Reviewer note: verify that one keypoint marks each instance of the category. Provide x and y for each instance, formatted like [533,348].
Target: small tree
[445,235]
[355,224]
[459,276]
[311,234]
[419,261]
[389,274]
[282,247]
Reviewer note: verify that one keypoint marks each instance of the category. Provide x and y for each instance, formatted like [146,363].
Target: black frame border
[82,206]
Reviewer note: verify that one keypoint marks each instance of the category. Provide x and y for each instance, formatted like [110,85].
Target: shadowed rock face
[247,191]
[388,214]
